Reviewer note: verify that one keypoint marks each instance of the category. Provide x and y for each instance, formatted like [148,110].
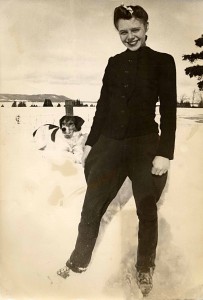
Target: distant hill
[33,98]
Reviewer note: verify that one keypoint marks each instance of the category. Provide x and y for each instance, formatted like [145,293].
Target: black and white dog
[67,136]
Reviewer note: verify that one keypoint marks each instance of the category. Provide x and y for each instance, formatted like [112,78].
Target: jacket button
[130,60]
[123,96]
[126,71]
[126,86]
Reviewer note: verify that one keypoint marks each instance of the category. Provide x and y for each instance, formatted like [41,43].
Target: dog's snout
[63,129]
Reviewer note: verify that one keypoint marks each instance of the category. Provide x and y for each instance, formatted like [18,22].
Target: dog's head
[70,124]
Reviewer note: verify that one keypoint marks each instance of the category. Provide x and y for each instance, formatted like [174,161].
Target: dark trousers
[108,164]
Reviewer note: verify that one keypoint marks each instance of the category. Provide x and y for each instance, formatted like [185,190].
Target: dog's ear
[78,122]
[61,121]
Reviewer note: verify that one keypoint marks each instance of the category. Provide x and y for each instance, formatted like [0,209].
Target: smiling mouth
[132,43]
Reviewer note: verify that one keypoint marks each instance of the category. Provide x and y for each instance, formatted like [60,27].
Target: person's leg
[147,189]
[146,200]
[104,171]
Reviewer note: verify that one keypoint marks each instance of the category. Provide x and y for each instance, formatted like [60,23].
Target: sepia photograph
[101,149]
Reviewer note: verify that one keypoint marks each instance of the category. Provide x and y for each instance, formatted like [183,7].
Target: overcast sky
[62,46]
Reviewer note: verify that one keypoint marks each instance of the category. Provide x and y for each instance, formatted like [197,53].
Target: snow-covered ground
[41,197]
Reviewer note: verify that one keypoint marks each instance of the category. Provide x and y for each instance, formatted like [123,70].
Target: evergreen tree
[22,104]
[47,102]
[14,104]
[197,70]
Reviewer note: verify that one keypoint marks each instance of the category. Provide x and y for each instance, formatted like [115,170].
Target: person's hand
[85,154]
[160,165]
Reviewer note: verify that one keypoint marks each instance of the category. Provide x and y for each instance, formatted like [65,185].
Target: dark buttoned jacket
[133,83]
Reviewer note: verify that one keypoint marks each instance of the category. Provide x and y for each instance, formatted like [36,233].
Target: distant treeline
[48,103]
[78,103]
[189,105]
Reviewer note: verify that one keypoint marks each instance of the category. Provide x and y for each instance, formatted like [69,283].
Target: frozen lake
[41,199]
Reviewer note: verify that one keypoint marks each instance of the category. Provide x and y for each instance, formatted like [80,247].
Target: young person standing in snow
[124,141]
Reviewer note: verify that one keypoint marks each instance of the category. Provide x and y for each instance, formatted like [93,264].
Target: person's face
[132,33]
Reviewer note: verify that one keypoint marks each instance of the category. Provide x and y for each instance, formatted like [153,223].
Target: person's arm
[168,104]
[101,110]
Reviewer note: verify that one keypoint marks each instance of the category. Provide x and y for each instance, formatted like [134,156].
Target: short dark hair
[128,12]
